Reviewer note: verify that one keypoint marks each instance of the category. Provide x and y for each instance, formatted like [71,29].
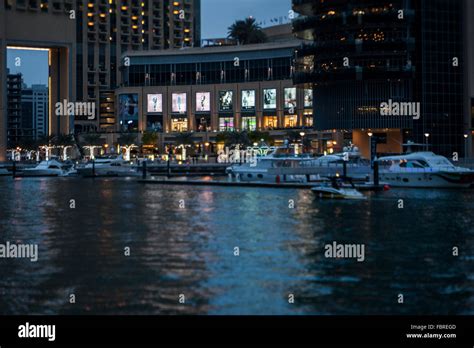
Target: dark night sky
[218,15]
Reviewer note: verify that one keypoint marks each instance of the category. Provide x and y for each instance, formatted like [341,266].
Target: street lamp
[302,134]
[427,135]
[465,145]
[370,134]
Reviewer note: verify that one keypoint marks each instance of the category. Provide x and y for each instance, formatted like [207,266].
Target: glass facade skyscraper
[361,54]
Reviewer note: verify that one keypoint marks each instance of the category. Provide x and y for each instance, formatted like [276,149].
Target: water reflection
[190,250]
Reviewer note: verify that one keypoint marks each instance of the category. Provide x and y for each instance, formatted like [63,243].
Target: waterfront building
[211,90]
[361,54]
[105,30]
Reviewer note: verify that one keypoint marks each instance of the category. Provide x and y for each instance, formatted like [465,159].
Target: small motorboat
[340,188]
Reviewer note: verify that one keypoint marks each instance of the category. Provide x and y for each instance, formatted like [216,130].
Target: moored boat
[47,168]
[423,170]
[338,189]
[282,165]
[108,166]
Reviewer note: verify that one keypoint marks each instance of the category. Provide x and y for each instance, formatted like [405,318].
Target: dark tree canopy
[246,32]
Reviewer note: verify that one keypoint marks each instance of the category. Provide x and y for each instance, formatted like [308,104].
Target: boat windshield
[414,164]
[440,161]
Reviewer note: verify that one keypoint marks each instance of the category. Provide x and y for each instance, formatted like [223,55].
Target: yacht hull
[429,180]
[107,171]
[333,193]
[39,173]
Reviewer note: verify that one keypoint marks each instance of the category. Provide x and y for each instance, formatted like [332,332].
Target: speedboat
[48,168]
[108,166]
[337,190]
[423,170]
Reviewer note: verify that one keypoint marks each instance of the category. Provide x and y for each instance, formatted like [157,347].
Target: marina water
[182,241]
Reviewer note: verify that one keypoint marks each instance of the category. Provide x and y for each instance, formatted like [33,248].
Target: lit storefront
[291,121]
[218,96]
[249,123]
[270,122]
[226,124]
[179,124]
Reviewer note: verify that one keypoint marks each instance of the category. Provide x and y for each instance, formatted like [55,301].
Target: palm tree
[91,139]
[293,136]
[240,139]
[62,140]
[127,142]
[307,144]
[246,32]
[184,139]
[127,139]
[46,140]
[223,137]
[149,138]
[257,137]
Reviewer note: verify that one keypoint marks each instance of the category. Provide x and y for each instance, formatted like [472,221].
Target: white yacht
[282,165]
[108,166]
[424,170]
[48,168]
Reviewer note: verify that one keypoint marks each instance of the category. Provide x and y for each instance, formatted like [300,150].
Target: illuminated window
[179,124]
[226,124]
[249,123]
[291,121]
[270,122]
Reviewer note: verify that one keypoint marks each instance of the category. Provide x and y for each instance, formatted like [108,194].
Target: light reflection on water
[189,250]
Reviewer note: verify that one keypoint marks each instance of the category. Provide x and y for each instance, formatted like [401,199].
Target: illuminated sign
[178,103]
[155,103]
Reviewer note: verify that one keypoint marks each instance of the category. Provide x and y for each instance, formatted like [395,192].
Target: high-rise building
[27,110]
[362,56]
[108,28]
[35,110]
[14,122]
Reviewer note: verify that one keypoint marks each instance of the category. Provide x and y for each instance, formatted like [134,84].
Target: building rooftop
[214,53]
[216,49]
